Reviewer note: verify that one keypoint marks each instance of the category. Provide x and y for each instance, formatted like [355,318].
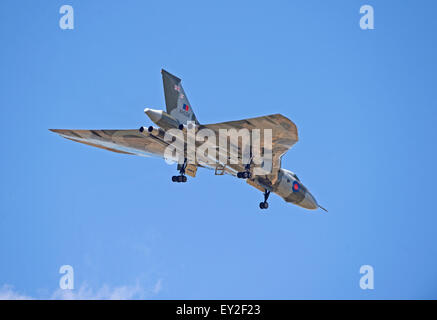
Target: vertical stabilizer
[176,100]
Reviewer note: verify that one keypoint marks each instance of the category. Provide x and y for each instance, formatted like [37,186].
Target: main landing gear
[265,204]
[181,177]
[245,174]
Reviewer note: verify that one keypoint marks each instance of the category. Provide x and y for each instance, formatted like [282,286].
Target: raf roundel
[295,186]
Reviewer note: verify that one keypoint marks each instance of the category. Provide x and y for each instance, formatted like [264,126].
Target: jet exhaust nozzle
[153,131]
[189,126]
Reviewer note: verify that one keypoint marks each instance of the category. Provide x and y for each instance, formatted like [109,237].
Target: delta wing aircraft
[152,141]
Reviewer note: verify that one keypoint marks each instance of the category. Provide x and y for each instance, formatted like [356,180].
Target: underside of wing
[284,134]
[120,141]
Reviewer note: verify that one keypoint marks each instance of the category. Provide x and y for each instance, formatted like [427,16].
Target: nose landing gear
[265,204]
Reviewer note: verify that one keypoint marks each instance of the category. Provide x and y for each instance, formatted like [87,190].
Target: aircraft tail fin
[176,100]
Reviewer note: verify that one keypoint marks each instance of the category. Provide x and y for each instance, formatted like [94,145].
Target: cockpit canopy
[291,173]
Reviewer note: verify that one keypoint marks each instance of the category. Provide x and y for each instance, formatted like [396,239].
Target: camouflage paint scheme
[284,136]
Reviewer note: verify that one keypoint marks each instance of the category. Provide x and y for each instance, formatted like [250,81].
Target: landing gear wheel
[181,177]
[244,175]
[263,205]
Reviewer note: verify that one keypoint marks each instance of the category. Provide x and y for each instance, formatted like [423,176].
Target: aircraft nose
[309,202]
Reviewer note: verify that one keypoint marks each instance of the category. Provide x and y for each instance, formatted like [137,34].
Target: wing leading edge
[120,141]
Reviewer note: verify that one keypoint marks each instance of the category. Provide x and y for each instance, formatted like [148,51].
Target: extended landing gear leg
[181,177]
[265,204]
[245,174]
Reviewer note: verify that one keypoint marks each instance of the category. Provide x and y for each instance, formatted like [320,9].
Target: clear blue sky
[364,103]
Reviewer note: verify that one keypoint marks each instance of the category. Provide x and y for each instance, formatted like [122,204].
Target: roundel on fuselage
[296,186]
